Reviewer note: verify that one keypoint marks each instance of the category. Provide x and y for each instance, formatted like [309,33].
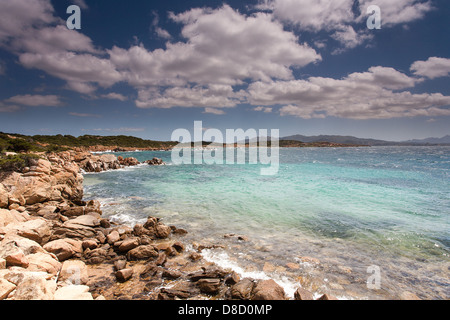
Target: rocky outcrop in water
[155,162]
[127,162]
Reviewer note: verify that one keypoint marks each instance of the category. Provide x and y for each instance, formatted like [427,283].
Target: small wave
[129,168]
[126,219]
[222,259]
[104,201]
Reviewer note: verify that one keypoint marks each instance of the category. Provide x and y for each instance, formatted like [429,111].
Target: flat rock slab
[73,292]
[85,220]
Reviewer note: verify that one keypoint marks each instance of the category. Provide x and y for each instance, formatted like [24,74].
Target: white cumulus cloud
[36,100]
[311,14]
[398,11]
[432,68]
[222,46]
[367,95]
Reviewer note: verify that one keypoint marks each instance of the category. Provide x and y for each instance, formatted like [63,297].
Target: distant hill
[443,140]
[369,142]
[339,139]
[295,143]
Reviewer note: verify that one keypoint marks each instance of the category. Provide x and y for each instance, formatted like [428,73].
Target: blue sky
[146,68]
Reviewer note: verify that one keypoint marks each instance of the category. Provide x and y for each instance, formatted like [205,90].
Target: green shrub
[17,162]
[20,145]
[55,148]
[3,145]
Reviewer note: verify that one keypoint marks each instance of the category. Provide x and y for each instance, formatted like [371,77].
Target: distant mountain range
[369,142]
[443,140]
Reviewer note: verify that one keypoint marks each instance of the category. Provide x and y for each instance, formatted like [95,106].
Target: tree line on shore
[47,143]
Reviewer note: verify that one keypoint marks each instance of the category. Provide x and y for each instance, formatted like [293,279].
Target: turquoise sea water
[350,208]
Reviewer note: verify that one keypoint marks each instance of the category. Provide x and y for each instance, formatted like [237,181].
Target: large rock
[38,192]
[78,156]
[155,162]
[211,273]
[64,248]
[80,228]
[73,211]
[171,273]
[210,286]
[150,223]
[153,228]
[12,217]
[16,275]
[104,162]
[16,198]
[43,262]
[48,212]
[181,290]
[232,278]
[42,166]
[142,252]
[27,246]
[6,288]
[3,197]
[302,294]
[108,158]
[90,244]
[129,244]
[242,290]
[124,274]
[38,230]
[267,290]
[97,255]
[14,250]
[73,292]
[35,288]
[15,257]
[28,254]
[127,162]
[84,221]
[69,185]
[73,232]
[73,272]
[113,237]
[162,231]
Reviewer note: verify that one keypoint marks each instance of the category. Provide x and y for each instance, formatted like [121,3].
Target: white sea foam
[223,260]
[129,168]
[126,219]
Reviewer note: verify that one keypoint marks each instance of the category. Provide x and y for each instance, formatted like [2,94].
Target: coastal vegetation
[17,162]
[56,143]
[23,144]
[120,141]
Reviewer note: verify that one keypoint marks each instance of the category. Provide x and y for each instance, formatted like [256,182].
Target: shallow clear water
[351,208]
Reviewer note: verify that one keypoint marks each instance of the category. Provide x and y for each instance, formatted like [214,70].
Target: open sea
[359,223]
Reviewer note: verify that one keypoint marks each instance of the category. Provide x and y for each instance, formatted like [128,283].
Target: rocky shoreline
[55,246]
